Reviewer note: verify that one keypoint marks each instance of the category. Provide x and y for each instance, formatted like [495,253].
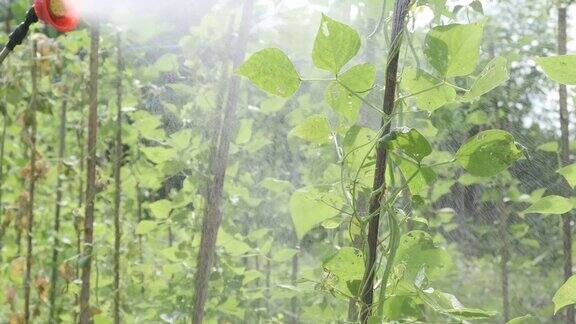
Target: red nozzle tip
[61,14]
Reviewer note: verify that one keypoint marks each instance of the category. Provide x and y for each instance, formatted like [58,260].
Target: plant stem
[31,185]
[367,293]
[117,180]
[294,277]
[139,215]
[455,86]
[267,294]
[505,254]
[213,212]
[85,316]
[565,152]
[216,125]
[420,91]
[77,218]
[317,79]
[393,244]
[56,232]
[81,144]
[4,111]
[2,150]
[139,236]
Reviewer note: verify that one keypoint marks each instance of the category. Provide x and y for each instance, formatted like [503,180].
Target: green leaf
[161,208]
[440,9]
[258,234]
[358,145]
[332,223]
[448,304]
[416,251]
[488,153]
[257,142]
[566,295]
[559,68]
[471,313]
[271,71]
[526,319]
[181,139]
[231,244]
[315,129]
[477,6]
[284,255]
[478,117]
[358,79]
[232,307]
[336,43]
[148,125]
[430,93]
[494,74]
[398,307]
[410,142]
[555,205]
[454,50]
[147,175]
[166,63]
[569,173]
[244,131]
[145,227]
[551,147]
[309,207]
[346,268]
[272,105]
[420,177]
[251,275]
[158,154]
[102,318]
[277,185]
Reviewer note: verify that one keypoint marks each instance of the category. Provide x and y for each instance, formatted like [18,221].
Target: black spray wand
[17,36]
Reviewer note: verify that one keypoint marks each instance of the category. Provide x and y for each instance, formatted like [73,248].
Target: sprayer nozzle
[60,14]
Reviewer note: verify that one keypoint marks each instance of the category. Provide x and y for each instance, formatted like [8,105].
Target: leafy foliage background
[287,249]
